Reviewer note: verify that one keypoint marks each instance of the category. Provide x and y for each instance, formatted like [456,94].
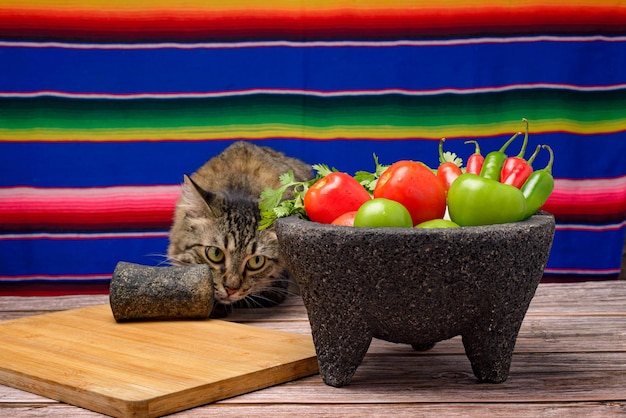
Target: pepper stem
[548,168]
[532,157]
[523,150]
[507,143]
[477,147]
[441,159]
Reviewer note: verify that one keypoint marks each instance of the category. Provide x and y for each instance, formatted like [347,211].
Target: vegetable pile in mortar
[493,189]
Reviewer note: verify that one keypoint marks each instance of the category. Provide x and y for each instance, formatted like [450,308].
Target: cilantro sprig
[369,180]
[448,157]
[274,204]
[288,199]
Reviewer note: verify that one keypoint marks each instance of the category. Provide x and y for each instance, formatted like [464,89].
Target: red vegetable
[520,174]
[332,196]
[448,169]
[347,219]
[416,187]
[517,163]
[475,161]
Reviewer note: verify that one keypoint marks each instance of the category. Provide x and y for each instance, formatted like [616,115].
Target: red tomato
[416,187]
[334,195]
[347,219]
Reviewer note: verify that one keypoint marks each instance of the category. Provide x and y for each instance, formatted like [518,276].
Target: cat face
[221,230]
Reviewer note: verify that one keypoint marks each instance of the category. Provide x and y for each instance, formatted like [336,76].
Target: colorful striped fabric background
[104,105]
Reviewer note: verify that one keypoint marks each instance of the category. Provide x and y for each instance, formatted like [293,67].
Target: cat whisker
[165,259]
[261,299]
[280,290]
[178,260]
[219,311]
[251,302]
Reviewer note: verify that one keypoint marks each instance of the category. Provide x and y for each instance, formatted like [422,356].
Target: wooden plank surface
[348,410]
[570,361]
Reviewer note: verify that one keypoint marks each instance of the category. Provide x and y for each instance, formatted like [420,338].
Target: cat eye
[255,262]
[214,254]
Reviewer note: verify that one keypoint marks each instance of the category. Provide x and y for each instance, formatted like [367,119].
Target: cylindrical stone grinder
[140,292]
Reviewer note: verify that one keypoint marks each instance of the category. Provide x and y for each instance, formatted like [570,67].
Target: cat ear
[194,199]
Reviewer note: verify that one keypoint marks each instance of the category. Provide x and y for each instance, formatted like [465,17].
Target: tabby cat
[216,223]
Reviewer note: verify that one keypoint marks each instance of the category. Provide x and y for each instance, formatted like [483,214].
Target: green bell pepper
[474,200]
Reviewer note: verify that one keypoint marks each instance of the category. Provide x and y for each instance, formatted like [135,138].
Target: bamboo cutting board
[84,358]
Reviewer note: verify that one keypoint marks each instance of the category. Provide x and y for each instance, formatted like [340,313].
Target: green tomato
[380,212]
[437,223]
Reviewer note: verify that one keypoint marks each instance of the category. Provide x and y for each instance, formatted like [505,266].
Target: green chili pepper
[475,200]
[492,167]
[539,186]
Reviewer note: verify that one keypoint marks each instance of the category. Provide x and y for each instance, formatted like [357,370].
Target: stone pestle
[140,292]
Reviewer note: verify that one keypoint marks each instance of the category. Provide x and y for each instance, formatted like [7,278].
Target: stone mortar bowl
[416,286]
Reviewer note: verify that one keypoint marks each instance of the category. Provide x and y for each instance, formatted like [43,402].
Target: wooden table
[570,360]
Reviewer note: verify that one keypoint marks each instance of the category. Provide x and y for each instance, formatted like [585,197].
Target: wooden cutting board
[84,358]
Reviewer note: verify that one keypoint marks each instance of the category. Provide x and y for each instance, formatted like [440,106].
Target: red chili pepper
[514,163]
[449,166]
[475,161]
[520,173]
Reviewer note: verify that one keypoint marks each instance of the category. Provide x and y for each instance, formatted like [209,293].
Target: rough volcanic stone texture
[416,286]
[143,292]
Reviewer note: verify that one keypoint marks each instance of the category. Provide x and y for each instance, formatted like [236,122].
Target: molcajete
[416,286]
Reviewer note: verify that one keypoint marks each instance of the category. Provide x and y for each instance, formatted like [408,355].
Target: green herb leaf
[322,170]
[270,198]
[273,204]
[451,157]
[369,180]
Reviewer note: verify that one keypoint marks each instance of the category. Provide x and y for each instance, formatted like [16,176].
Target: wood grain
[83,357]
[569,361]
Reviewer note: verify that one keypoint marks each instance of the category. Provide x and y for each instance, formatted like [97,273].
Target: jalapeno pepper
[494,160]
[474,200]
[448,169]
[512,163]
[520,173]
[475,161]
[539,186]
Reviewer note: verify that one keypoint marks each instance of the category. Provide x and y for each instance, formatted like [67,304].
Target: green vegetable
[369,180]
[380,213]
[539,186]
[438,223]
[475,200]
[492,166]
[274,203]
